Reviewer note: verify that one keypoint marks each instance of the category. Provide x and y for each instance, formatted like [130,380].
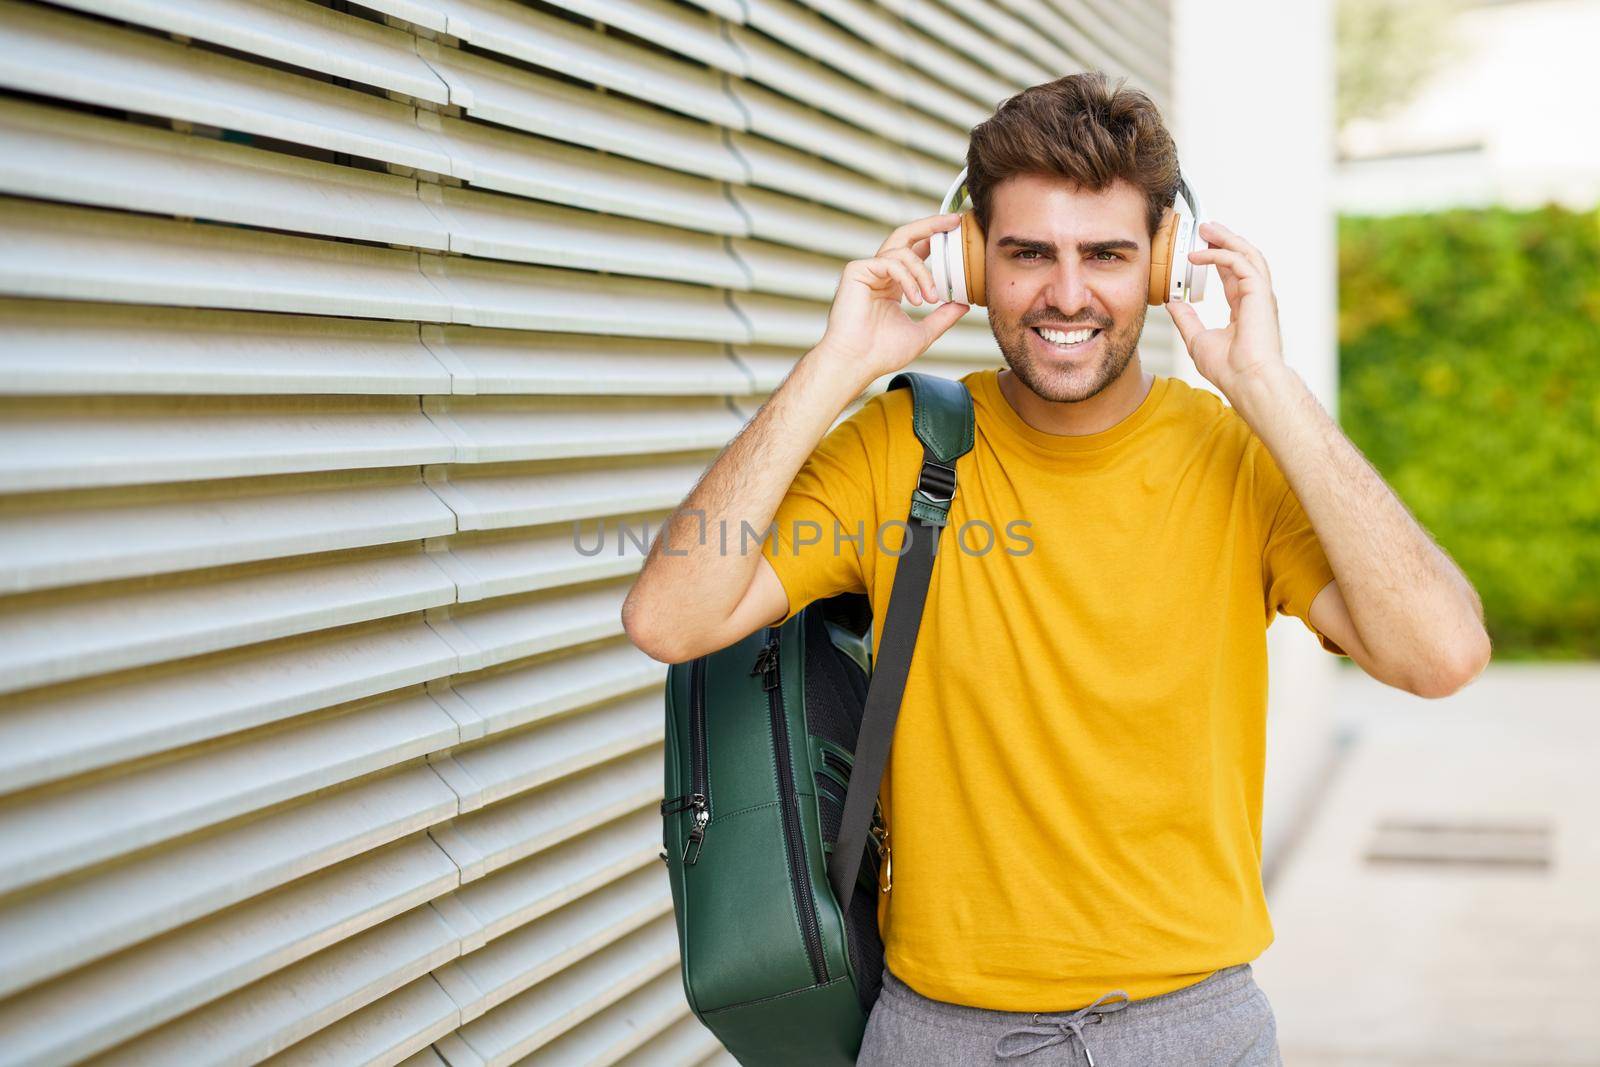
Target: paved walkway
[1443,907]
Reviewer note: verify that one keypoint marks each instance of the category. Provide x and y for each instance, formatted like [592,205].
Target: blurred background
[323,323]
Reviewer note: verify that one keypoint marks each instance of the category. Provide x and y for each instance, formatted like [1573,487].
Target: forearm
[1415,611]
[690,582]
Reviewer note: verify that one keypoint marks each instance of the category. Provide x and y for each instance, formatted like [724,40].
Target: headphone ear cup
[1161,258]
[972,245]
[941,251]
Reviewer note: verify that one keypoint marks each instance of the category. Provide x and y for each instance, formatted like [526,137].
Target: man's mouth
[1067,340]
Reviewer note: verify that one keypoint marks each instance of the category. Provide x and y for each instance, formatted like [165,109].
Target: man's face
[1061,258]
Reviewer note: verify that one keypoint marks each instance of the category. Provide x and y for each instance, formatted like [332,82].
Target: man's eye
[1113,255]
[1026,252]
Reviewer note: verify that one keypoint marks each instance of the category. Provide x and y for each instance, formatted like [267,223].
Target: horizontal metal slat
[636,1021]
[73,347]
[1018,69]
[292,32]
[46,934]
[881,69]
[548,689]
[523,894]
[817,87]
[512,296]
[76,253]
[101,442]
[50,547]
[117,999]
[505,563]
[55,54]
[776,269]
[787,122]
[502,766]
[520,362]
[509,628]
[48,835]
[523,957]
[685,1041]
[486,839]
[800,224]
[536,1017]
[59,732]
[393,1026]
[511,161]
[291,1004]
[577,493]
[492,226]
[691,34]
[510,96]
[57,154]
[56,640]
[916,35]
[424,14]
[490,429]
[803,175]
[531,36]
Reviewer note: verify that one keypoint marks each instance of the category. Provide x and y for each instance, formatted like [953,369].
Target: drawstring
[1043,1035]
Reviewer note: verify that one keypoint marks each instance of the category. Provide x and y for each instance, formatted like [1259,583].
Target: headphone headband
[953,196]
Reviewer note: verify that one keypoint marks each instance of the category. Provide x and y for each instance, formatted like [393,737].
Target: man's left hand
[1250,347]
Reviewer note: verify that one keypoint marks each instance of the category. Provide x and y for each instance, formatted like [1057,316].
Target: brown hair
[1081,128]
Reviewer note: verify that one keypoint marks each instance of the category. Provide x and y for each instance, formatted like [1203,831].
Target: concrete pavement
[1443,905]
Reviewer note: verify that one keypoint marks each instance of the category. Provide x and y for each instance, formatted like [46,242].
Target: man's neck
[1075,418]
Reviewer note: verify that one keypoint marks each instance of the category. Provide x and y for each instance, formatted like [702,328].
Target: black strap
[902,620]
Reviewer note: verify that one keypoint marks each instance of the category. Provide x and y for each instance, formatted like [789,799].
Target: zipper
[799,873]
[699,798]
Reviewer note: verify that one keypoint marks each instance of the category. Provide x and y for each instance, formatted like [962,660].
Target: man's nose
[1068,286]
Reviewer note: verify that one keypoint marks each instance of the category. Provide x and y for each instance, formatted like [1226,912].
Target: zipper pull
[697,834]
[767,664]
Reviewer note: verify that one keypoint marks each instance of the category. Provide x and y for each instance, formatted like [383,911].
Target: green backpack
[775,749]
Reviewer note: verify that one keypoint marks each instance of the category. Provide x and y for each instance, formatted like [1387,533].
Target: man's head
[1069,181]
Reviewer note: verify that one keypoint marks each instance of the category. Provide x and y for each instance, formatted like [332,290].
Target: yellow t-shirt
[1074,791]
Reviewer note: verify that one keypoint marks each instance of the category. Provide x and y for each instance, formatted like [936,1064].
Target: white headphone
[955,256]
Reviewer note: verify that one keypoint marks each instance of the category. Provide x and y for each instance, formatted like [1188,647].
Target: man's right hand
[869,334]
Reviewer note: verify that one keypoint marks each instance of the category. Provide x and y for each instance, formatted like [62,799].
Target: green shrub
[1469,346]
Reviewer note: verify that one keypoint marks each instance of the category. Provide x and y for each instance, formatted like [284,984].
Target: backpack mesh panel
[836,688]
[835,696]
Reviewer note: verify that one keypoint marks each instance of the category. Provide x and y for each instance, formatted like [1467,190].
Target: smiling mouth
[1066,341]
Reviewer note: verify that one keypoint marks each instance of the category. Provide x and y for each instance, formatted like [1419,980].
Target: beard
[1067,384]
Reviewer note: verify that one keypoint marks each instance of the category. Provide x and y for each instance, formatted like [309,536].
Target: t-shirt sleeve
[823,527]
[1294,567]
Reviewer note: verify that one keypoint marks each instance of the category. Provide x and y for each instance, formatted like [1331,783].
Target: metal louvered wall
[320,326]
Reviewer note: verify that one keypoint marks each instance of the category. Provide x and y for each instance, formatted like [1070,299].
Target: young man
[1074,791]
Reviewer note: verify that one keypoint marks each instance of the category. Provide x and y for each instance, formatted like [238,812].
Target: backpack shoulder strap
[941,413]
[943,418]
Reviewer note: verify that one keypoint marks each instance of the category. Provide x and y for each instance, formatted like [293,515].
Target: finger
[1219,235]
[915,231]
[1187,320]
[941,318]
[902,274]
[918,267]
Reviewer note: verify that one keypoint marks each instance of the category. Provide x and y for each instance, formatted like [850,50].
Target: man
[1074,790]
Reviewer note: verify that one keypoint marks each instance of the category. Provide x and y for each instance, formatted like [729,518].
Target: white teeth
[1059,337]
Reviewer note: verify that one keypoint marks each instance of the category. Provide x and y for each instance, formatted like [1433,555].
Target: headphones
[955,256]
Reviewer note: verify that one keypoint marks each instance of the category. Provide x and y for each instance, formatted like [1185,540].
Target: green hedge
[1469,346]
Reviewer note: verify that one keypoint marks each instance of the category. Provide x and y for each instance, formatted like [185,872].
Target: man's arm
[691,597]
[1399,605]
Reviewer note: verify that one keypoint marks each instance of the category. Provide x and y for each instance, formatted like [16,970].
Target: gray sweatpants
[1222,1021]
